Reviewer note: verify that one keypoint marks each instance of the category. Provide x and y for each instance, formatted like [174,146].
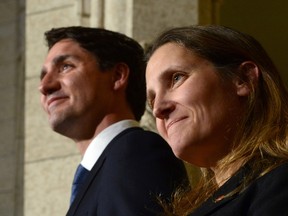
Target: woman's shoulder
[276,176]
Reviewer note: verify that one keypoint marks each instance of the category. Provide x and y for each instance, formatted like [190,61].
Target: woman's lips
[174,121]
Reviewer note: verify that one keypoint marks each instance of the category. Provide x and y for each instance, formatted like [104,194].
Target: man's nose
[49,83]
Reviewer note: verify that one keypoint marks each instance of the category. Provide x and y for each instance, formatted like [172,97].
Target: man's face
[74,92]
[196,111]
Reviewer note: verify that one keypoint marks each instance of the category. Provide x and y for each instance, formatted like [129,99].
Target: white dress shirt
[101,141]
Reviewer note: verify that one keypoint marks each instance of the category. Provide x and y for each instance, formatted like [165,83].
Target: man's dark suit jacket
[135,168]
[266,196]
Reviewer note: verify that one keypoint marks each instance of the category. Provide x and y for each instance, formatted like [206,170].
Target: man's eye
[65,67]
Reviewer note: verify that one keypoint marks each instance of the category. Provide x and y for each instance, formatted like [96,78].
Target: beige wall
[49,158]
[11,106]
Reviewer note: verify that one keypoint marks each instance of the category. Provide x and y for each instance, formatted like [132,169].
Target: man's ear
[121,74]
[247,79]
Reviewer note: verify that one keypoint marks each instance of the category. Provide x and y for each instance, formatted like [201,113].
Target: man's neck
[109,120]
[83,145]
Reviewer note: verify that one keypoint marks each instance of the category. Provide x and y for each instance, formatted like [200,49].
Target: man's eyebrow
[55,61]
[61,58]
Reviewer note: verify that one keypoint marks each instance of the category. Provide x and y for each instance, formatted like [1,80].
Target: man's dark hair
[110,48]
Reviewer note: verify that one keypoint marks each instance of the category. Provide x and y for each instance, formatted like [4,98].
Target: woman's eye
[176,78]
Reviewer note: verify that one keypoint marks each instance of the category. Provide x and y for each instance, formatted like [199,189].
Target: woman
[221,105]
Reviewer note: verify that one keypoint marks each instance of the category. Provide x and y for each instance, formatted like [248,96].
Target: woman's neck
[223,174]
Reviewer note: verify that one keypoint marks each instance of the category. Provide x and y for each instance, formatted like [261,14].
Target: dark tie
[79,178]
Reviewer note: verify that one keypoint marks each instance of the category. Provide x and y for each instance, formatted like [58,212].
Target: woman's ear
[121,74]
[247,78]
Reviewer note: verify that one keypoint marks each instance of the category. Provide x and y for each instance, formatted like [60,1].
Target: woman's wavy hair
[261,139]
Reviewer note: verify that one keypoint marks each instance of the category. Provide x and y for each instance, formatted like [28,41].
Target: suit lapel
[95,170]
[93,173]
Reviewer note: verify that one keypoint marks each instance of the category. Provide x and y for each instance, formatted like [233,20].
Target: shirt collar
[101,141]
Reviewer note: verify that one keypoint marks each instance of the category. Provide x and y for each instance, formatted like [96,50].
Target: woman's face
[196,111]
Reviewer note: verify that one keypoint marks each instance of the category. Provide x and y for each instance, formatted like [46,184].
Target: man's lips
[174,121]
[56,98]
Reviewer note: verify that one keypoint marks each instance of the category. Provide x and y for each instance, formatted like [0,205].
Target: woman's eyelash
[177,77]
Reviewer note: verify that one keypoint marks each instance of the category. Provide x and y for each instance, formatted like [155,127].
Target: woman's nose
[163,108]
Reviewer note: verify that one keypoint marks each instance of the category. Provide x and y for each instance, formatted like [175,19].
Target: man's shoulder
[145,152]
[139,137]
[139,132]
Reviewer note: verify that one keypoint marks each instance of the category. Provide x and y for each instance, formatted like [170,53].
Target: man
[93,90]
